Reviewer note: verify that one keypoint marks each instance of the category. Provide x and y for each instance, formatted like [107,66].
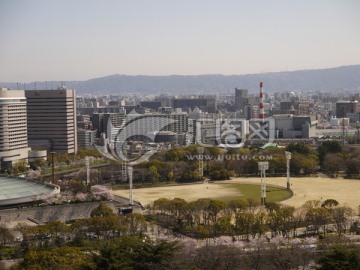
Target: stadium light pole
[263,166]
[288,157]
[130,174]
[53,167]
[201,162]
[87,162]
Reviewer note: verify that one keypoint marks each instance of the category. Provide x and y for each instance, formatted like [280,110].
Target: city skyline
[66,40]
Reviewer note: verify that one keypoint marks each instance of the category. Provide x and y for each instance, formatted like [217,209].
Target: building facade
[13,128]
[292,126]
[345,107]
[86,138]
[204,104]
[52,120]
[241,98]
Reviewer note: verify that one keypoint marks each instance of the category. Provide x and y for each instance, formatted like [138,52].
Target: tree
[190,176]
[154,174]
[5,236]
[318,217]
[237,205]
[178,207]
[340,258]
[137,223]
[103,210]
[135,253]
[162,205]
[340,216]
[221,174]
[328,147]
[218,258]
[257,256]
[353,168]
[330,204]
[277,165]
[170,176]
[214,208]
[289,256]
[69,258]
[223,226]
[244,223]
[332,164]
[101,193]
[303,164]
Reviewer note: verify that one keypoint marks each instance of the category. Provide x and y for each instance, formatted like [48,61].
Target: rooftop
[15,190]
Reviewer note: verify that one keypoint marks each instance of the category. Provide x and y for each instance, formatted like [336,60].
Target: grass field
[246,191]
[220,191]
[346,192]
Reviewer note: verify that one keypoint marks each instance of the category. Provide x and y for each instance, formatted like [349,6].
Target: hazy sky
[81,39]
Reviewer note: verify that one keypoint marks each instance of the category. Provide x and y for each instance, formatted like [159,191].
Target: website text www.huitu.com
[229,157]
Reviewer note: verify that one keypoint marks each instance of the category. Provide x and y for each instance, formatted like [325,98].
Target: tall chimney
[261,105]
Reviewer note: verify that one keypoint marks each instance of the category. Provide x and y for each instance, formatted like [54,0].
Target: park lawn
[248,191]
[218,191]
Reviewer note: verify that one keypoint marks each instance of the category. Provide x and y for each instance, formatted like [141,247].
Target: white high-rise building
[13,127]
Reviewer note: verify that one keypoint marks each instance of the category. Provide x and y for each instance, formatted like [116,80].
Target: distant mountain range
[345,78]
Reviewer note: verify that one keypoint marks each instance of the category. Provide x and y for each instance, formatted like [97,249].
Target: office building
[86,138]
[241,98]
[13,128]
[155,105]
[144,127]
[100,121]
[52,120]
[205,104]
[345,107]
[292,126]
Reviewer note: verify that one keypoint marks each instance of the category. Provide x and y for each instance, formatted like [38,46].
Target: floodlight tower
[201,161]
[263,166]
[130,172]
[124,168]
[288,157]
[87,162]
[53,167]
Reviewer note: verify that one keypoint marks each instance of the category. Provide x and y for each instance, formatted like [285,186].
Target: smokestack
[261,105]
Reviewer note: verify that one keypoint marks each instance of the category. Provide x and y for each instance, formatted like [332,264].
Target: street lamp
[53,167]
[288,157]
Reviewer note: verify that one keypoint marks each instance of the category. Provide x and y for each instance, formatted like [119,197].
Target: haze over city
[78,40]
[176,134]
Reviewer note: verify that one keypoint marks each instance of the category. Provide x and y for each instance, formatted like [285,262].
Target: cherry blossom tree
[100,192]
[82,197]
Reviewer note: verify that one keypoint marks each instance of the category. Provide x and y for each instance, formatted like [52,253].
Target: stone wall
[51,213]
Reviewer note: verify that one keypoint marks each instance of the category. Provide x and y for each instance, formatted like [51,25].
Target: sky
[44,40]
